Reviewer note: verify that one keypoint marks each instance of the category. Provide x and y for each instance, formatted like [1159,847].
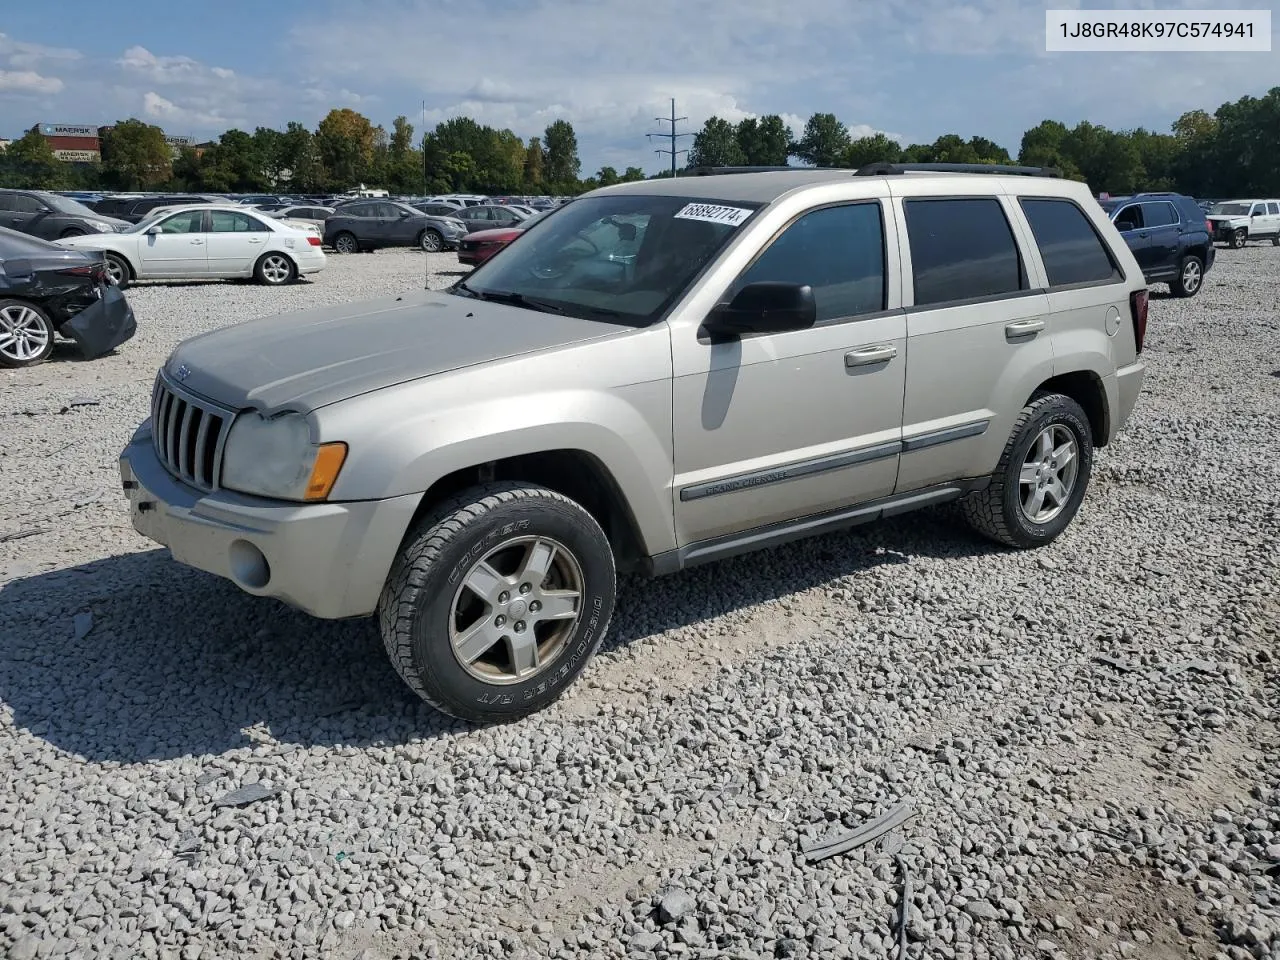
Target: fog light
[248,565]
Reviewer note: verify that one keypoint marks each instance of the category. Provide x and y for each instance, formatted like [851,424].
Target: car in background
[372,224]
[208,242]
[48,291]
[1236,222]
[137,209]
[1169,236]
[435,208]
[479,246]
[311,213]
[51,216]
[490,216]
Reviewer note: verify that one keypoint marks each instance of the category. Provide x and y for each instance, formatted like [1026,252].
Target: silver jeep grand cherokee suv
[656,375]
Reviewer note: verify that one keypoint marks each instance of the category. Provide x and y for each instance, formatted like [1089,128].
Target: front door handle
[197,241]
[1022,328]
[869,355]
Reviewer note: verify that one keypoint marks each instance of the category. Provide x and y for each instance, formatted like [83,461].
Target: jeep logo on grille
[182,372]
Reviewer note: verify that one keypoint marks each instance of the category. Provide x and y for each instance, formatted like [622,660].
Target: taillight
[85,271]
[1208,225]
[1138,301]
[314,241]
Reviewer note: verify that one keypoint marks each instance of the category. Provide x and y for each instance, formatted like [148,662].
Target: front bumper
[327,559]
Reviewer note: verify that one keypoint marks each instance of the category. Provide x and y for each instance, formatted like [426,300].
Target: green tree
[344,143]
[561,166]
[29,162]
[533,160]
[1044,145]
[607,177]
[632,174]
[772,142]
[135,155]
[824,142]
[299,158]
[268,157]
[404,163]
[716,145]
[877,148]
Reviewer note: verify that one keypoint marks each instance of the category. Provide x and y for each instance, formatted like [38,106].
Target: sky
[914,69]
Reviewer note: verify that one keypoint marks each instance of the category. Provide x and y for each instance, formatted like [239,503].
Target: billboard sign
[67,130]
[77,156]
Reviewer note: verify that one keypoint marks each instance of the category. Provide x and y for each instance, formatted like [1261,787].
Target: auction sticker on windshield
[713,213]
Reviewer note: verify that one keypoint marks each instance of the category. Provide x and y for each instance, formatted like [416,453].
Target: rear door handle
[869,355]
[1021,328]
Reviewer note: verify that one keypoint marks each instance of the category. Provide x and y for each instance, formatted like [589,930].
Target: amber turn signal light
[324,473]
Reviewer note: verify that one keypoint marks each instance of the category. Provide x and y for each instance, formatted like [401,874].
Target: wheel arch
[267,253]
[1086,388]
[128,261]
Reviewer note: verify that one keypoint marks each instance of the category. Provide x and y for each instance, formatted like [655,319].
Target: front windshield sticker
[712,213]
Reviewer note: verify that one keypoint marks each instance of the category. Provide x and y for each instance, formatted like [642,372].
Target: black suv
[1169,235]
[51,216]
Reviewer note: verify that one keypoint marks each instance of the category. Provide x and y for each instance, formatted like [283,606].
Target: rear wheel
[1190,277]
[1275,241]
[26,334]
[431,241]
[346,243]
[274,269]
[72,232]
[1041,478]
[498,599]
[118,270]
[1238,238]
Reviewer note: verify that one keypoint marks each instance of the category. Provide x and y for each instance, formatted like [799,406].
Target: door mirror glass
[154,229]
[767,306]
[1125,225]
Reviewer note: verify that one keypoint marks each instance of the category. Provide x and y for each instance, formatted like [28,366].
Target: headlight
[276,458]
[102,227]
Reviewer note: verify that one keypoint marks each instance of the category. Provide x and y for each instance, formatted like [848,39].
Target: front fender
[399,447]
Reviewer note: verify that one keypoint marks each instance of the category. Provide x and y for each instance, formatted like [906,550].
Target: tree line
[1230,152]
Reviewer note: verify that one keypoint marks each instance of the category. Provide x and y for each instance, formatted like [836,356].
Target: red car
[477,247]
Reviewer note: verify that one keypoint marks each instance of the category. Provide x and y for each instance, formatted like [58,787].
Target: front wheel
[431,241]
[274,270]
[346,243]
[1238,238]
[72,232]
[1041,478]
[26,334]
[1190,277]
[497,600]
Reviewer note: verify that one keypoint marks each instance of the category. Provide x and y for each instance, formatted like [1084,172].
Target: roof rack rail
[716,171]
[883,168]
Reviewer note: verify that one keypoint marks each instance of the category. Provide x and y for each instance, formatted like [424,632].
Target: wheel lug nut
[519,626]
[535,607]
[503,597]
[525,588]
[499,621]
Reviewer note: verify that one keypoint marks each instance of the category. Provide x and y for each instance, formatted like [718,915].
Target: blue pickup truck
[1169,235]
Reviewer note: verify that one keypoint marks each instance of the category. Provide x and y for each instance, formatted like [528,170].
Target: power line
[672,136]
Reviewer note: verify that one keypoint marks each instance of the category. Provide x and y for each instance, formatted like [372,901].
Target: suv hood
[305,360]
[1232,221]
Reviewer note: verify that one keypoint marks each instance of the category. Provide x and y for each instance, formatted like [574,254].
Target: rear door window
[1273,208]
[1070,247]
[1159,214]
[962,249]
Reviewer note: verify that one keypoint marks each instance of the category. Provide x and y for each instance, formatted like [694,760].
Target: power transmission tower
[672,136]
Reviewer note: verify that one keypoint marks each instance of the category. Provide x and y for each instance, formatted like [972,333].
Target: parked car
[50,216]
[1169,237]
[371,224]
[48,291]
[436,209]
[1238,221]
[137,209]
[661,375]
[490,216]
[205,241]
[311,213]
[477,247]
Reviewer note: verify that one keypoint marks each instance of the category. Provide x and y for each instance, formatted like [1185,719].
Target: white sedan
[207,241]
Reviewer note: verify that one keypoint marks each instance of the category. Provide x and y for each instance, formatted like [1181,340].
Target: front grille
[188,435]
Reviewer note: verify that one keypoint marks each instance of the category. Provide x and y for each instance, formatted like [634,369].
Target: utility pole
[672,136]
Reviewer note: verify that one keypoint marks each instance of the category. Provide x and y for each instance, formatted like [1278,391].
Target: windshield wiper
[518,300]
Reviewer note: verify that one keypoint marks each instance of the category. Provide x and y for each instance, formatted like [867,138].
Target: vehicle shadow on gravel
[136,658]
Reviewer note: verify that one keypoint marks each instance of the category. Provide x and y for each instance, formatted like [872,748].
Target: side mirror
[768,306]
[153,230]
[404,214]
[1124,225]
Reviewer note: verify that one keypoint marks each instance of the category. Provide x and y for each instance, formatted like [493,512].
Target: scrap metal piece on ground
[1124,666]
[241,796]
[23,534]
[822,849]
[1199,666]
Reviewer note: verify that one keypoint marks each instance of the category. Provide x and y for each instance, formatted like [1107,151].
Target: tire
[1275,241]
[998,512]
[274,269]
[431,241]
[426,601]
[346,242]
[71,232]
[1190,277]
[119,270]
[26,334]
[1238,238]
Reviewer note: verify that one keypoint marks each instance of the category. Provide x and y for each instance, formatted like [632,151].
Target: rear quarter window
[1072,251]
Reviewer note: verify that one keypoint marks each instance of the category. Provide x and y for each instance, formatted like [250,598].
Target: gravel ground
[1065,807]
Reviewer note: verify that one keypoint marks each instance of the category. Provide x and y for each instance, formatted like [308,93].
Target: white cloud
[21,54]
[28,81]
[162,109]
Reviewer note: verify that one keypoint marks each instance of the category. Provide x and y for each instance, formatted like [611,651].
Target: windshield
[1230,209]
[623,257]
[67,205]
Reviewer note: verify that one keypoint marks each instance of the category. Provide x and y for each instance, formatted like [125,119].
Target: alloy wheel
[23,333]
[1049,473]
